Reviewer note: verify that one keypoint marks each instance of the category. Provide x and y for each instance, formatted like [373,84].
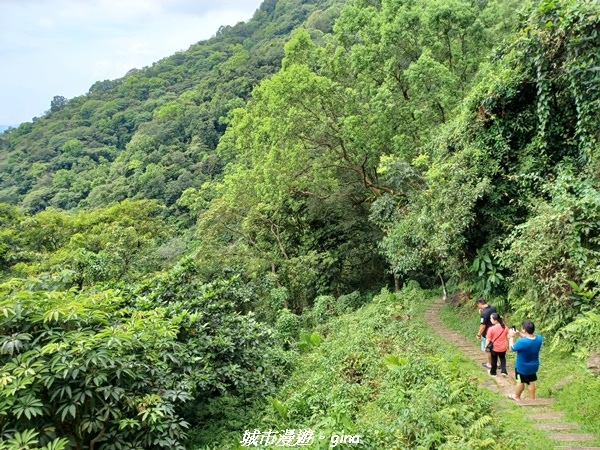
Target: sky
[62,47]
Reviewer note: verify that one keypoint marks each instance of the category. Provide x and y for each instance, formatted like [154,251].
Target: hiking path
[540,410]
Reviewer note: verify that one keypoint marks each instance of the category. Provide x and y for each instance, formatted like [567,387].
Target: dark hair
[498,319]
[480,301]
[528,326]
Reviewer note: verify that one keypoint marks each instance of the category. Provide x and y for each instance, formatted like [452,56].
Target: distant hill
[153,132]
[3,128]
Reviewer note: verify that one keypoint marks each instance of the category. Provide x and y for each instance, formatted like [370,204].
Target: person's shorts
[483,341]
[526,379]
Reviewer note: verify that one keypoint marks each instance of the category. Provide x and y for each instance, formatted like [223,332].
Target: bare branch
[312,194]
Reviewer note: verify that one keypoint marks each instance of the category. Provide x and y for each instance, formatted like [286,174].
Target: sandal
[512,397]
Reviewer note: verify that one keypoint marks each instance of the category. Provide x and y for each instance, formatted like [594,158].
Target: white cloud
[62,47]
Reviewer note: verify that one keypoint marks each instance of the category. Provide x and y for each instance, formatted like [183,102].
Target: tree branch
[312,194]
[97,438]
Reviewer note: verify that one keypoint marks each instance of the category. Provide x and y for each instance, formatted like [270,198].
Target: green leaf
[280,407]
[392,361]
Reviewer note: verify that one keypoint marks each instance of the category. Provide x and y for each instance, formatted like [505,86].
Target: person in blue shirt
[528,358]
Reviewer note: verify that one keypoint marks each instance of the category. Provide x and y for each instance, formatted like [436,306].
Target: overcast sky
[61,47]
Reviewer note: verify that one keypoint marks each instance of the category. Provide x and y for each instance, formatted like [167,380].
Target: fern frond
[476,430]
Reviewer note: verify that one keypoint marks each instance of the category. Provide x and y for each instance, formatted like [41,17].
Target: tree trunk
[444,287]
[274,272]
[97,438]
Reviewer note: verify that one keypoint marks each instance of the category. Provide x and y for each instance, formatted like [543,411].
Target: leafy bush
[80,365]
[28,440]
[100,369]
[377,377]
[554,251]
[579,336]
[287,326]
[321,311]
[348,302]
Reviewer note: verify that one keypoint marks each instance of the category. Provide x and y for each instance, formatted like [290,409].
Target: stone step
[571,437]
[576,448]
[502,380]
[471,350]
[536,402]
[556,426]
[546,416]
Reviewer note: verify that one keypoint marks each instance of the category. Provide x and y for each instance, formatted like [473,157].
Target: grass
[381,373]
[510,416]
[561,376]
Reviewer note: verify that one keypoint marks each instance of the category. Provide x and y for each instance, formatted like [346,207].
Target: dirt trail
[539,410]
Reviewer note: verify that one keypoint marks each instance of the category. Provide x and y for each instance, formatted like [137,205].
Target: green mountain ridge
[178,106]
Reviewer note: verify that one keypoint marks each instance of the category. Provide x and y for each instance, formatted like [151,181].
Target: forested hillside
[171,240]
[152,133]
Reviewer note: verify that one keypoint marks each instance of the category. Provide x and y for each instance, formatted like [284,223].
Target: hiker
[528,358]
[497,336]
[485,311]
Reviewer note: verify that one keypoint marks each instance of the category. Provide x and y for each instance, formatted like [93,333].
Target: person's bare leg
[531,388]
[519,391]
[487,355]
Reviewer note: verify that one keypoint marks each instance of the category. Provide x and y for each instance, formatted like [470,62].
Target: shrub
[287,326]
[348,302]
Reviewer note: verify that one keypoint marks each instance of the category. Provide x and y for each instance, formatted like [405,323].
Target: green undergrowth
[381,374]
[562,376]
